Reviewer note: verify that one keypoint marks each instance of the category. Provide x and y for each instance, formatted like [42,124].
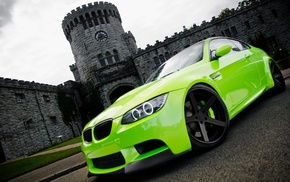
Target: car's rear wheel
[206,117]
[278,78]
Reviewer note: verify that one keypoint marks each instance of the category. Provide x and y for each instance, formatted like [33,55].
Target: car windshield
[185,58]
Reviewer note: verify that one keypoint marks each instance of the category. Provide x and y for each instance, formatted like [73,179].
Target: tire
[279,81]
[206,116]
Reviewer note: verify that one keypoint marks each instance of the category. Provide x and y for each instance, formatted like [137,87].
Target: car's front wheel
[206,117]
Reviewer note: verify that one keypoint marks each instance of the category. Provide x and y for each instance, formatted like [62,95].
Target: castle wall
[30,118]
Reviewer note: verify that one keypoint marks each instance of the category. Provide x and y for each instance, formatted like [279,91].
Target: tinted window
[240,45]
[185,58]
[215,43]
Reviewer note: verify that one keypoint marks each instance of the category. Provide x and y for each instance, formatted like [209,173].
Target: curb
[63,172]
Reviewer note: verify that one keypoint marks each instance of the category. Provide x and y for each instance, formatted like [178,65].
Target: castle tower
[101,49]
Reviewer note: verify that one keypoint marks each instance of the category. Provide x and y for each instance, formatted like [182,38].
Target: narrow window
[156,60]
[46,98]
[228,33]
[101,17]
[102,60]
[116,55]
[28,124]
[161,58]
[234,31]
[89,20]
[247,24]
[76,21]
[83,22]
[71,25]
[106,16]
[53,119]
[109,58]
[20,97]
[274,12]
[167,55]
[95,19]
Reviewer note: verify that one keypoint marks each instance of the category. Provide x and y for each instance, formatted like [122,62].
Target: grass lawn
[18,167]
[68,142]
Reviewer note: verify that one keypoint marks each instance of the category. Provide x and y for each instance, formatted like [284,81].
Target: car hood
[146,92]
[136,97]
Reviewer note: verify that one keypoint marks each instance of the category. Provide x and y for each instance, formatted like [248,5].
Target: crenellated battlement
[21,84]
[89,15]
[73,67]
[242,8]
[87,7]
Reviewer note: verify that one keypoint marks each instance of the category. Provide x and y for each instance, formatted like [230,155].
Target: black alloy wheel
[206,117]
[278,78]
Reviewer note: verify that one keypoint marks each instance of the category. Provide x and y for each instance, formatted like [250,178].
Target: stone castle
[108,64]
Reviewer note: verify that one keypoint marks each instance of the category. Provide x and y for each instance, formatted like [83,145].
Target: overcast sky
[34,48]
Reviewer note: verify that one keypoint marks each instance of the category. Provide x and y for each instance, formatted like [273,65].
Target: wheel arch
[269,78]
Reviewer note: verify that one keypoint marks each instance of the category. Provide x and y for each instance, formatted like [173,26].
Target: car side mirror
[223,50]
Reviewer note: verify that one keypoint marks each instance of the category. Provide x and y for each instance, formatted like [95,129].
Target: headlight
[145,109]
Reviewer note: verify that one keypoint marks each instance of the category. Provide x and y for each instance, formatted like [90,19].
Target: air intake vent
[148,146]
[109,161]
[88,135]
[103,129]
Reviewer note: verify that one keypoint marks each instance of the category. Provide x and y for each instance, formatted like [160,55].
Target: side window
[240,45]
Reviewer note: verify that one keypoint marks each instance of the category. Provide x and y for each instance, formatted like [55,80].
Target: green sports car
[186,104]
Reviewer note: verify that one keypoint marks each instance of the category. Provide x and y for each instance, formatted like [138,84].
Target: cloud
[5,12]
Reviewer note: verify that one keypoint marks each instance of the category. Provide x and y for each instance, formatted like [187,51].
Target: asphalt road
[257,148]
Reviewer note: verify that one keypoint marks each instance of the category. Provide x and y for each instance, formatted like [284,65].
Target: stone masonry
[30,118]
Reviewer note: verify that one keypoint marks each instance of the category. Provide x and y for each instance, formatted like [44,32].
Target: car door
[233,72]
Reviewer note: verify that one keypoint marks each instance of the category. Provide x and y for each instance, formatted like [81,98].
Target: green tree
[68,109]
[224,13]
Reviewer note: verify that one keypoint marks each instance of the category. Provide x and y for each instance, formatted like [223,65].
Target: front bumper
[139,145]
[145,163]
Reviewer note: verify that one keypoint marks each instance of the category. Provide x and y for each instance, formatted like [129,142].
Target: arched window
[167,55]
[100,17]
[71,25]
[106,16]
[109,58]
[76,21]
[116,55]
[83,22]
[95,19]
[89,20]
[156,60]
[102,60]
[161,58]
